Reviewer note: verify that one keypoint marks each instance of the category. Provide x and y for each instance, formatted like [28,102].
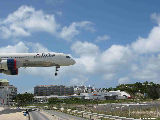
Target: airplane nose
[73,62]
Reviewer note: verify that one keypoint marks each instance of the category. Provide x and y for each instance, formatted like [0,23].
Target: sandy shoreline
[12,116]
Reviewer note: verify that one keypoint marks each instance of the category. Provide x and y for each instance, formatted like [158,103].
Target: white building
[44,99]
[7,92]
[83,89]
[93,96]
[118,94]
[106,95]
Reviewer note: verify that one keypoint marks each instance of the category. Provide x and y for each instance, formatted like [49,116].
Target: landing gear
[57,70]
[56,74]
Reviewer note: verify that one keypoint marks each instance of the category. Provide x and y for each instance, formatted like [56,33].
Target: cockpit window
[68,57]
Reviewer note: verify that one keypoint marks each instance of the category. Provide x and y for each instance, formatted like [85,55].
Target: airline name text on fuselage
[46,55]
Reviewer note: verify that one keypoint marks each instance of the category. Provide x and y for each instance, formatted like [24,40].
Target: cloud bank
[138,61]
[26,20]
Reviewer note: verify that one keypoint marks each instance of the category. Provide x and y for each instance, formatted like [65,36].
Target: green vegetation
[71,101]
[57,101]
[24,99]
[140,90]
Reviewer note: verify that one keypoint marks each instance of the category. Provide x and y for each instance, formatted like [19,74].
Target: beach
[11,114]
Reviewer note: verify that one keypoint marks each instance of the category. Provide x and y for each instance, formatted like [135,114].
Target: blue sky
[113,41]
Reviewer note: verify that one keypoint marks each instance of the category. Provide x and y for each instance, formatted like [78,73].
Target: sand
[13,116]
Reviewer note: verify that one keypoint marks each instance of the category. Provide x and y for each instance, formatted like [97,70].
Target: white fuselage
[38,59]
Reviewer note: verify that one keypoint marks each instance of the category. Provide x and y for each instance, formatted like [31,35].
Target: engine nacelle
[9,64]
[10,72]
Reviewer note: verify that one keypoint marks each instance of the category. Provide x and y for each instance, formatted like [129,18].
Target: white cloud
[102,38]
[37,47]
[156,17]
[85,48]
[139,61]
[111,64]
[92,61]
[35,71]
[81,80]
[26,20]
[116,54]
[149,44]
[68,33]
[148,69]
[22,47]
[109,76]
[18,48]
[123,80]
[88,63]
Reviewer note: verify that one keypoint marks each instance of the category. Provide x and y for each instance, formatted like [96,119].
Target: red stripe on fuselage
[15,65]
[17,71]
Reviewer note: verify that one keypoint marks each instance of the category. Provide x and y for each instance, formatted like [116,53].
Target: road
[36,115]
[64,116]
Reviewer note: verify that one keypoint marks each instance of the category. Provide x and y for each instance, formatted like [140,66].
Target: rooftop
[4,80]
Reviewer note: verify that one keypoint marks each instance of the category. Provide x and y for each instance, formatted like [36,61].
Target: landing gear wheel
[57,70]
[56,74]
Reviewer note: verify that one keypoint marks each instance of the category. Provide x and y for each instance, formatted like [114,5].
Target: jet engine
[8,67]
[9,64]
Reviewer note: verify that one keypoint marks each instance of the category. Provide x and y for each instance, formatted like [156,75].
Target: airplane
[10,62]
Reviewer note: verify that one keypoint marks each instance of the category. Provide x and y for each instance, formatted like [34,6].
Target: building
[7,92]
[47,90]
[93,96]
[117,95]
[44,99]
[83,89]
[106,95]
